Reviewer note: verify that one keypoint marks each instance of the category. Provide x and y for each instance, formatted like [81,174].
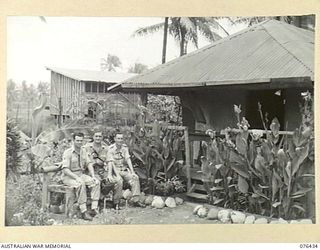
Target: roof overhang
[269,83]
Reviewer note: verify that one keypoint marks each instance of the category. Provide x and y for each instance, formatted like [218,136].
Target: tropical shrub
[264,173]
[157,156]
[13,156]
[24,198]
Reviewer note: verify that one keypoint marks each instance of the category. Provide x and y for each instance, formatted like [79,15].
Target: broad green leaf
[299,208]
[216,188]
[241,142]
[217,201]
[242,185]
[171,164]
[260,163]
[216,181]
[276,204]
[302,191]
[141,173]
[275,126]
[307,175]
[138,156]
[275,186]
[299,158]
[218,166]
[41,150]
[236,158]
[241,170]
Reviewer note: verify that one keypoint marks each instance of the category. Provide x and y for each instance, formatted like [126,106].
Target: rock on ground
[213,214]
[224,216]
[261,221]
[179,200]
[202,212]
[238,217]
[170,202]
[306,221]
[250,219]
[195,210]
[158,202]
[148,200]
[127,194]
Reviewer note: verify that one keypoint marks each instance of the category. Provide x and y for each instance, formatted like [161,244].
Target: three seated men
[96,163]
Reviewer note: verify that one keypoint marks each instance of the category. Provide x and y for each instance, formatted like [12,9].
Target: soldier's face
[118,139]
[97,137]
[78,140]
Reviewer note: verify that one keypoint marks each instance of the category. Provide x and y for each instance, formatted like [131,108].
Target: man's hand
[110,178]
[78,180]
[95,180]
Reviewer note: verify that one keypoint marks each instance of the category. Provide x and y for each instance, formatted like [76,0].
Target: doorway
[272,102]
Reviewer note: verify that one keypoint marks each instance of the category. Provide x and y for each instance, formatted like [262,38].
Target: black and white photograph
[160,120]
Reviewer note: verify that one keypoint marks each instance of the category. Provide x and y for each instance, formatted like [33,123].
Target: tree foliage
[111,63]
[164,108]
[187,29]
[138,68]
[13,156]
[307,22]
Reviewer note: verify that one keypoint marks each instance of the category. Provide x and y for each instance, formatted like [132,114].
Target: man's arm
[66,166]
[128,160]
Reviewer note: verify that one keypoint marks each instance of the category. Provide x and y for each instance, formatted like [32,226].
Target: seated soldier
[118,156]
[94,160]
[73,176]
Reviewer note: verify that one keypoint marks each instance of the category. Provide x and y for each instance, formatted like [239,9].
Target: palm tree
[185,30]
[306,22]
[111,63]
[138,68]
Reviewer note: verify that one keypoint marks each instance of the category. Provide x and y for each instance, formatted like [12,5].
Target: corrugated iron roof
[93,76]
[269,50]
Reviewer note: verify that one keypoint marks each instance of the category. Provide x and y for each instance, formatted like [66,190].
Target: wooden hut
[82,93]
[271,63]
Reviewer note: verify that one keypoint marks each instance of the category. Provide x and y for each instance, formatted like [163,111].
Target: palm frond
[208,32]
[174,29]
[148,30]
[189,24]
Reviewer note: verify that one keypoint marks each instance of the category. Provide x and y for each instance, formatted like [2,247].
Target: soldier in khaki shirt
[74,177]
[94,160]
[119,157]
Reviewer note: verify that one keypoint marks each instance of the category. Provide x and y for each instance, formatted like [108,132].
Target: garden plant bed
[181,214]
[186,213]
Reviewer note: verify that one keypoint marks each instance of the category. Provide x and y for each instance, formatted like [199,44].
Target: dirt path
[182,214]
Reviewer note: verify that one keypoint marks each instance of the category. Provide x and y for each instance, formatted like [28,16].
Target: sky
[81,42]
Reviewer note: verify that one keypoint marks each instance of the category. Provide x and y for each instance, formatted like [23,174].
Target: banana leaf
[242,185]
[217,201]
[241,142]
[299,208]
[300,193]
[241,170]
[299,158]
[138,156]
[276,204]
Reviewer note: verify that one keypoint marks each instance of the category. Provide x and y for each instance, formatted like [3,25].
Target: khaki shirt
[89,154]
[118,156]
[72,160]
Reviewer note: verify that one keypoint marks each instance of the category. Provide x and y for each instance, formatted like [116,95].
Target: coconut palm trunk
[165,36]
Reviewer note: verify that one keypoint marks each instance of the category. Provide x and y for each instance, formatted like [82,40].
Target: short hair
[79,134]
[118,132]
[97,130]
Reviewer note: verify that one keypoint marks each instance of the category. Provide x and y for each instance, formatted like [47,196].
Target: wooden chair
[49,187]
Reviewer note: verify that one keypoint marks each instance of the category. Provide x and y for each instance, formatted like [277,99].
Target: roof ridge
[282,46]
[203,49]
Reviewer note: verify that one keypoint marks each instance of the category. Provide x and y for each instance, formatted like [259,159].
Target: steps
[197,190]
